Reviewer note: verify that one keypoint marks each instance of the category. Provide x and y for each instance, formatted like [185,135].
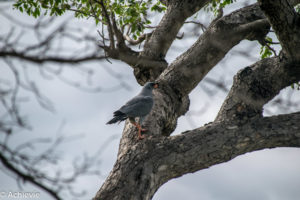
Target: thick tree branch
[191,67]
[286,24]
[165,33]
[144,167]
[256,85]
[134,59]
[185,73]
[220,142]
[156,47]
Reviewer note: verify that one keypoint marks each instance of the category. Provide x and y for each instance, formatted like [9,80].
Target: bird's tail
[118,117]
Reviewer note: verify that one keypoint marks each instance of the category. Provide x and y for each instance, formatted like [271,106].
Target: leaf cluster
[34,8]
[297,8]
[215,5]
[126,12]
[265,51]
[296,86]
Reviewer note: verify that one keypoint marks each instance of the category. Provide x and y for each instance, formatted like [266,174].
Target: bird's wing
[138,106]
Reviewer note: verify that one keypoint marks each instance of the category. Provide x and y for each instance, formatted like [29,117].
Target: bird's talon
[141,137]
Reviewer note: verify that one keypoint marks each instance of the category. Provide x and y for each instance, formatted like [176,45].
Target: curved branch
[190,68]
[156,47]
[255,85]
[138,40]
[28,178]
[220,142]
[144,167]
[184,74]
[165,33]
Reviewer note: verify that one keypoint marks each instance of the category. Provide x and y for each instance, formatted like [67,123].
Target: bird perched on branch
[139,106]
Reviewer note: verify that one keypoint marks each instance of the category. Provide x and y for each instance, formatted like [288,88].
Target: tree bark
[286,23]
[143,166]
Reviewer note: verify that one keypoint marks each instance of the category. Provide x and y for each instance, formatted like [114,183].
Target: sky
[268,174]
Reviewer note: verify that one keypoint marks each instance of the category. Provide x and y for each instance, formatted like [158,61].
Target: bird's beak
[156,85]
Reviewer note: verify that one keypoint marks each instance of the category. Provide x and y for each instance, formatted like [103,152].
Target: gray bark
[143,166]
[286,23]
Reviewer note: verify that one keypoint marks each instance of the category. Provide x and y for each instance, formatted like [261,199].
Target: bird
[139,106]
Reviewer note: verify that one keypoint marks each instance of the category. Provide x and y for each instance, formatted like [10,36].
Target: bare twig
[139,40]
[109,25]
[202,26]
[27,177]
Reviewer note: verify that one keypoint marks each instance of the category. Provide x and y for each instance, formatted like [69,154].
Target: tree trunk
[143,166]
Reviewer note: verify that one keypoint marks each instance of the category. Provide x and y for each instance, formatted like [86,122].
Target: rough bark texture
[255,85]
[143,166]
[286,23]
[146,165]
[163,36]
[158,44]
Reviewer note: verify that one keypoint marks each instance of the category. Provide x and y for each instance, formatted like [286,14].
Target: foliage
[265,50]
[125,12]
[297,8]
[296,86]
[216,5]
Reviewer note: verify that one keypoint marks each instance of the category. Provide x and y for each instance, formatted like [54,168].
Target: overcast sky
[267,174]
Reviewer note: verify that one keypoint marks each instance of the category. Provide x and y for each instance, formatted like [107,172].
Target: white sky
[267,174]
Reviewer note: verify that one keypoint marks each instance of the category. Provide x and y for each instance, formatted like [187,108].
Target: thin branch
[139,40]
[270,42]
[28,178]
[202,26]
[180,37]
[51,58]
[273,50]
[109,25]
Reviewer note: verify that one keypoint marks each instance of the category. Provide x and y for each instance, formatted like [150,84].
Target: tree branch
[28,178]
[190,68]
[144,167]
[165,33]
[186,71]
[156,47]
[255,85]
[219,142]
[286,24]
[43,59]
[105,15]
[139,39]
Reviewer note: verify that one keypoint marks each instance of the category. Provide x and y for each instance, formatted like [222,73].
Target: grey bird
[139,106]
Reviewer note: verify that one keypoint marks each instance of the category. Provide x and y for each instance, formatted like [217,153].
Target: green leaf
[265,52]
[297,8]
[131,13]
[215,5]
[296,86]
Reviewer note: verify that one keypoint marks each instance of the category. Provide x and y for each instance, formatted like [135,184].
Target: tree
[143,166]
